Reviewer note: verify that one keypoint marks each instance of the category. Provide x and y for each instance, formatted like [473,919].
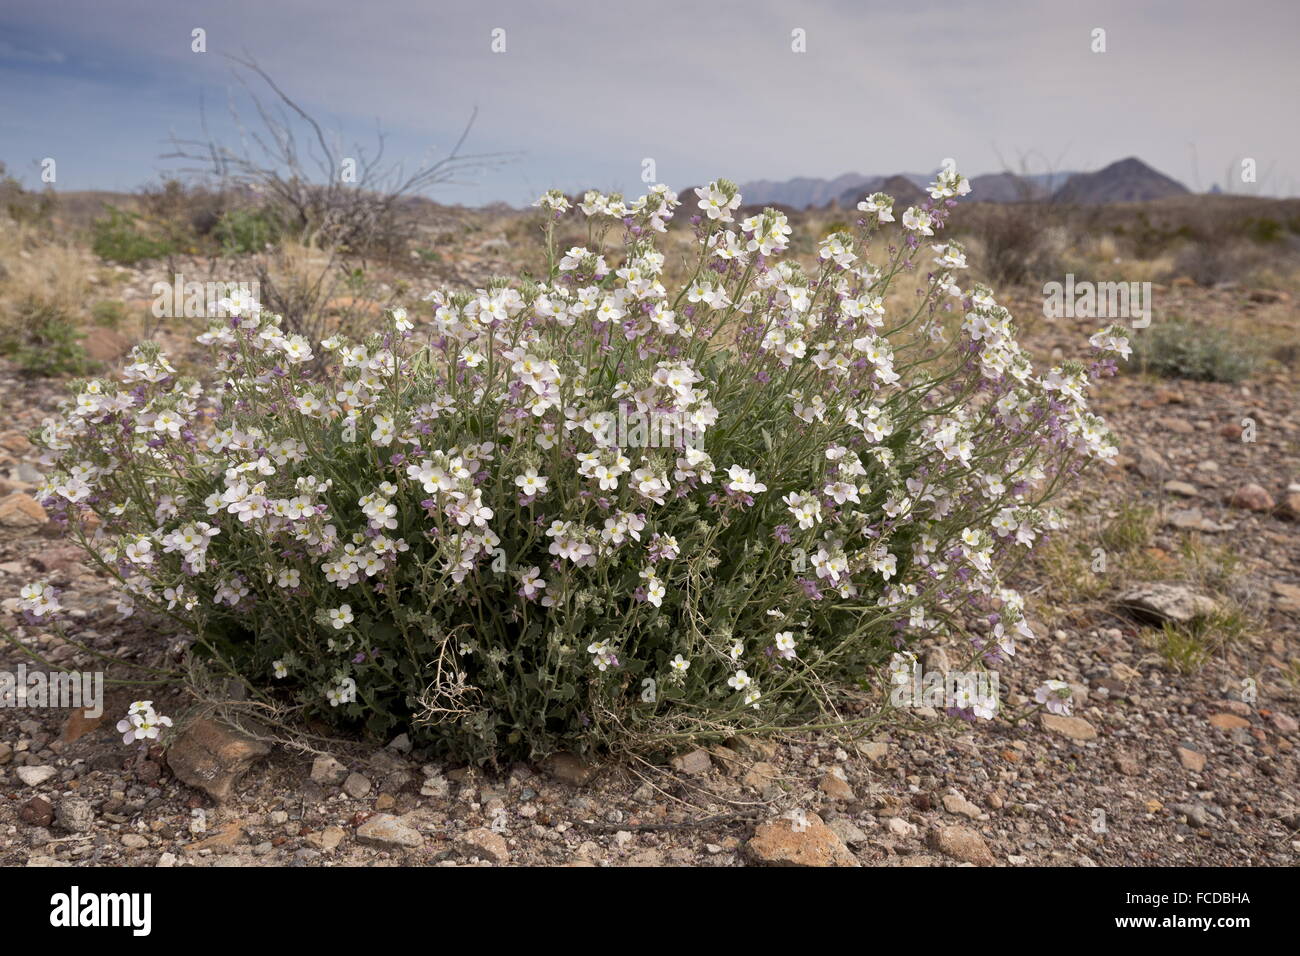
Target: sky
[580,94]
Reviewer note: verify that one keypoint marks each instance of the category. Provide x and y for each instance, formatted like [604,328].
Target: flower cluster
[428,527]
[141,723]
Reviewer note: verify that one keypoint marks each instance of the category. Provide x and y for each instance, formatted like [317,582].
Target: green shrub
[592,511]
[1180,349]
[246,231]
[116,237]
[44,341]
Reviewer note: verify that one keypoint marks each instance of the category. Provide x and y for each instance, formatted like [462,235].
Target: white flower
[739,680]
[341,616]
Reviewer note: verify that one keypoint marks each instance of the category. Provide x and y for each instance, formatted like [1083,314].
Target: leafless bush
[350,198]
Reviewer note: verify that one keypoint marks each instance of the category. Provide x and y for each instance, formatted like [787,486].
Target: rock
[327,839]
[6,753]
[1076,728]
[75,815]
[1127,764]
[1148,463]
[327,771]
[485,844]
[961,843]
[212,757]
[1288,596]
[693,762]
[167,860]
[356,786]
[836,785]
[848,831]
[756,748]
[1285,723]
[134,841]
[435,785]
[1252,498]
[385,830]
[1191,759]
[957,804]
[1159,603]
[1181,488]
[900,827]
[761,775]
[401,743]
[808,841]
[79,724]
[225,837]
[35,776]
[37,812]
[1290,506]
[21,511]
[873,750]
[1228,721]
[569,768]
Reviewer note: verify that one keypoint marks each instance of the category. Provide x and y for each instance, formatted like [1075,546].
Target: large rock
[1076,728]
[1252,498]
[1158,603]
[808,841]
[386,830]
[21,511]
[485,844]
[961,843]
[212,757]
[569,768]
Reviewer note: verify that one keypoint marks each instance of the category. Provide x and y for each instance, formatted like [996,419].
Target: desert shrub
[23,205]
[246,230]
[469,531]
[1014,241]
[117,237]
[1181,349]
[43,340]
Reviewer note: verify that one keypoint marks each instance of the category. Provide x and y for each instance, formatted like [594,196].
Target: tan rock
[955,803]
[1228,721]
[836,785]
[1076,728]
[569,768]
[1251,497]
[694,762]
[485,844]
[961,843]
[802,841]
[1192,760]
[21,511]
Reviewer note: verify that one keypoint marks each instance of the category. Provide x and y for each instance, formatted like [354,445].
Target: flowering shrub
[463,529]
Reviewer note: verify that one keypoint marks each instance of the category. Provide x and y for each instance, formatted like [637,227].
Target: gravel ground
[1159,765]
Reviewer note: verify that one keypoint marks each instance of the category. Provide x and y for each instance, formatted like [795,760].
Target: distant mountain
[1129,180]
[903,188]
[799,193]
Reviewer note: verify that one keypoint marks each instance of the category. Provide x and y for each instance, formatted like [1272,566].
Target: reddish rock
[212,757]
[961,843]
[21,511]
[37,812]
[1228,721]
[805,841]
[1252,498]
